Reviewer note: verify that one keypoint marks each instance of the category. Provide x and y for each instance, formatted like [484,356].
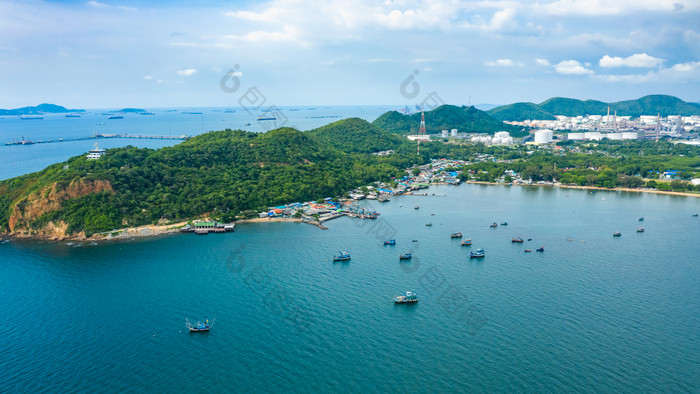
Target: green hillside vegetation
[647,105]
[519,112]
[221,173]
[354,135]
[445,117]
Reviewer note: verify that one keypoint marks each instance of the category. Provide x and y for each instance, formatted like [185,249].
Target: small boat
[31,117]
[494,224]
[405,256]
[416,207]
[266,118]
[517,240]
[695,215]
[529,239]
[640,230]
[504,224]
[390,242]
[456,235]
[641,219]
[540,249]
[199,326]
[342,256]
[406,298]
[415,240]
[466,242]
[617,234]
[477,253]
[428,224]
[72,116]
[528,250]
[115,117]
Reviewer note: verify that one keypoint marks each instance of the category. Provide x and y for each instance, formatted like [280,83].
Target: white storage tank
[629,135]
[576,136]
[544,136]
[593,135]
[614,136]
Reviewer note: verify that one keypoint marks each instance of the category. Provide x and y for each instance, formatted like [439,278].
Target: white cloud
[542,62]
[148,77]
[98,5]
[187,72]
[571,67]
[686,67]
[636,60]
[502,63]
[604,7]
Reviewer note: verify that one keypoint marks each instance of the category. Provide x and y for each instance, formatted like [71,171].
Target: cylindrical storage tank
[614,136]
[593,135]
[629,135]
[576,136]
[544,136]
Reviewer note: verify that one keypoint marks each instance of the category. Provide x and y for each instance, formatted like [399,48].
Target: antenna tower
[421,131]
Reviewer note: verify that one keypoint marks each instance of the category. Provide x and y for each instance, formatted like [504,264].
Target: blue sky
[91,54]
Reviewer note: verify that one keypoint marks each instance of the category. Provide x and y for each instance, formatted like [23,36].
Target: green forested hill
[39,109]
[221,172]
[519,112]
[444,117]
[354,135]
[647,105]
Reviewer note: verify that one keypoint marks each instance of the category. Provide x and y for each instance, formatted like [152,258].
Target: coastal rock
[50,199]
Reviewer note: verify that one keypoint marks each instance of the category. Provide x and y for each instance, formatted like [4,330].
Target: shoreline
[597,188]
[174,228]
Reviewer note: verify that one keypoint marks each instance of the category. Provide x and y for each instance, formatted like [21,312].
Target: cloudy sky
[116,53]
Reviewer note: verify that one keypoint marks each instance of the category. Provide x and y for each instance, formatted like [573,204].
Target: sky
[153,54]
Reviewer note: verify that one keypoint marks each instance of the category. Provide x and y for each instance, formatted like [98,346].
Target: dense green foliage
[445,117]
[354,135]
[647,105]
[220,173]
[519,112]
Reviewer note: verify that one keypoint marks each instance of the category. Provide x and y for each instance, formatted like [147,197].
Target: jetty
[100,136]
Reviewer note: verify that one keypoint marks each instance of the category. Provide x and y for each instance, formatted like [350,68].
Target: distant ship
[192,113]
[72,116]
[266,118]
[116,117]
[30,117]
[147,113]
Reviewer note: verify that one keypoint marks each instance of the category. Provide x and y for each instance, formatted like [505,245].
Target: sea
[591,313]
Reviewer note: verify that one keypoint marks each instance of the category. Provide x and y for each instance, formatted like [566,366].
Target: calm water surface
[592,313]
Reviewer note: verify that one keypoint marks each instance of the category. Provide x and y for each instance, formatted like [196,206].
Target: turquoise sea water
[19,160]
[593,313]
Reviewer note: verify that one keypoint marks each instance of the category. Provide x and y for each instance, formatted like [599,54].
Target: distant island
[39,109]
[662,105]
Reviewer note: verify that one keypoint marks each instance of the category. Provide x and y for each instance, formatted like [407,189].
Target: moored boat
[405,256]
[617,234]
[540,249]
[494,224]
[416,207]
[641,219]
[428,224]
[390,242]
[342,256]
[504,224]
[456,235]
[407,297]
[517,240]
[466,242]
[640,230]
[477,253]
[528,250]
[199,326]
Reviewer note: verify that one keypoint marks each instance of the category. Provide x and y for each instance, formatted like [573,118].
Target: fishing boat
[115,117]
[695,215]
[477,253]
[416,207]
[31,117]
[406,298]
[261,117]
[617,234]
[199,326]
[456,235]
[641,219]
[390,242]
[342,256]
[428,224]
[504,224]
[540,249]
[640,230]
[494,224]
[466,242]
[528,250]
[405,256]
[518,240]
